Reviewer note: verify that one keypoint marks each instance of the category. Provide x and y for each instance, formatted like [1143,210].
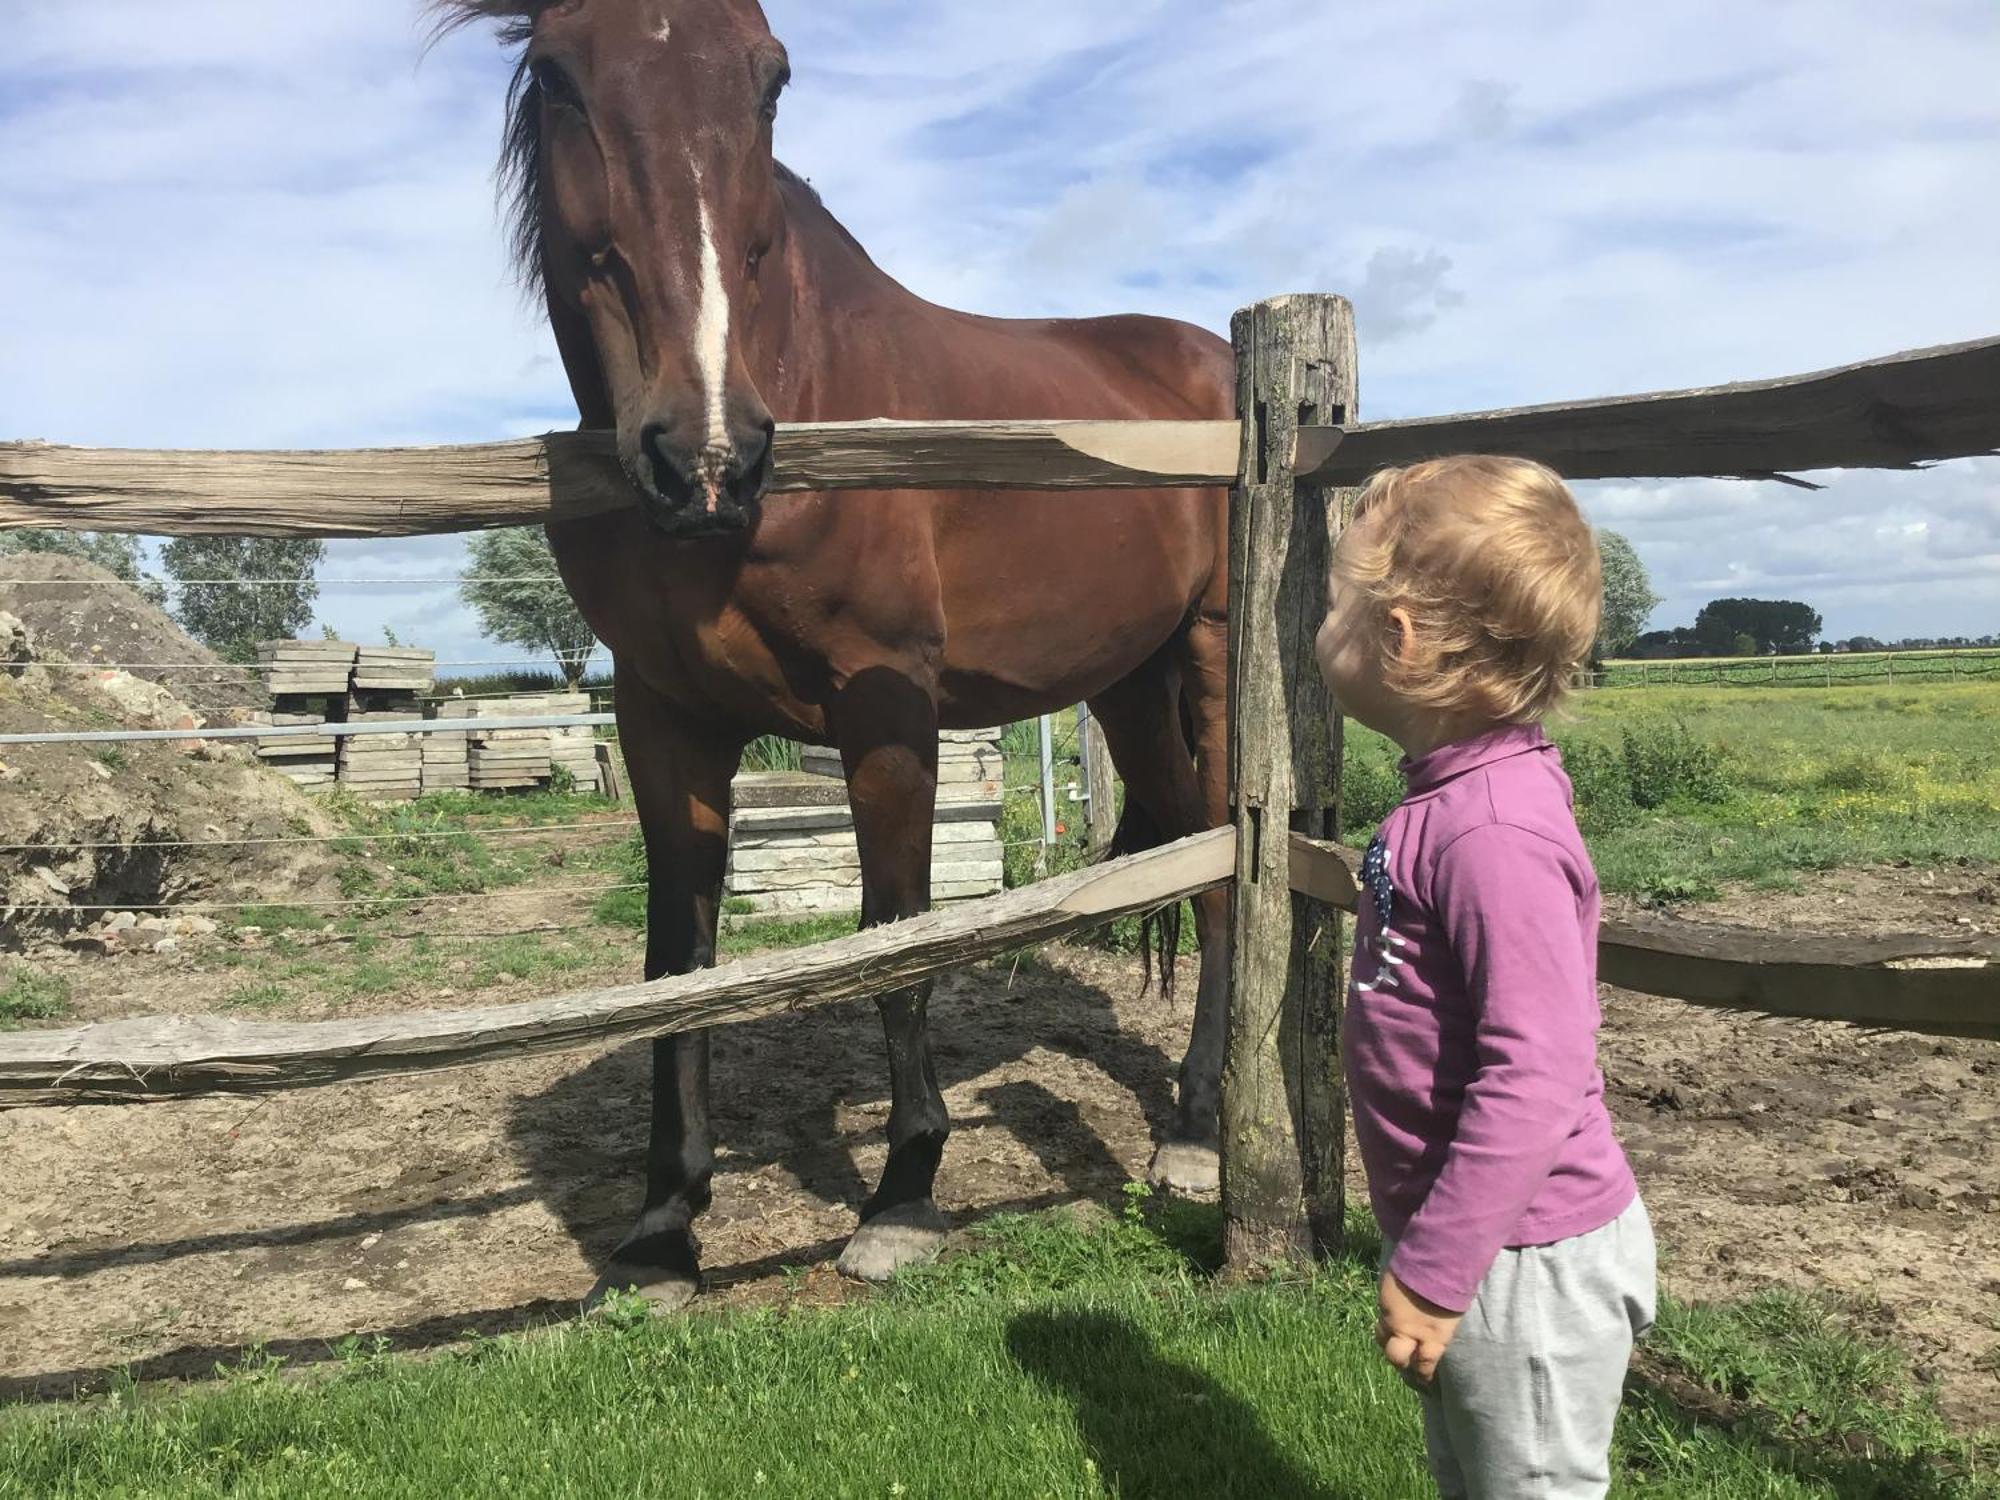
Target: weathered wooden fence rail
[1907,409]
[1899,412]
[1937,986]
[1928,985]
[1282,1136]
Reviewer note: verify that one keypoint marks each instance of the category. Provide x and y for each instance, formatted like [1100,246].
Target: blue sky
[235,224]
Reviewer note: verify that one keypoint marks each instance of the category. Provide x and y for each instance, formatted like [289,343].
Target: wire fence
[1042,789]
[1834,669]
[290,583]
[326,903]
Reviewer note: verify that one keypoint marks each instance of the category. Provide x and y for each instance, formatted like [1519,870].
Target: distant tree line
[1738,627]
[1776,627]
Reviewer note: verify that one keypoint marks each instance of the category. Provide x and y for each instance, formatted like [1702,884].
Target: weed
[29,995]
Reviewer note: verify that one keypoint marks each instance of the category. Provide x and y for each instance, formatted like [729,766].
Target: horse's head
[648,202]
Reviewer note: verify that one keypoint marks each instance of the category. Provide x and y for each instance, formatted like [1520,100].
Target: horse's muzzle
[714,492]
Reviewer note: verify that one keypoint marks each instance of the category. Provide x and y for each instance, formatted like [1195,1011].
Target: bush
[1370,782]
[1665,763]
[30,995]
[1602,785]
[1858,771]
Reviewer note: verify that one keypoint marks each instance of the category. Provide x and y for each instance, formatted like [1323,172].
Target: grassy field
[1844,669]
[1065,1355]
[1681,790]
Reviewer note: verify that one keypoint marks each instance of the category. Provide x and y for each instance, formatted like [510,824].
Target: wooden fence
[1297,376]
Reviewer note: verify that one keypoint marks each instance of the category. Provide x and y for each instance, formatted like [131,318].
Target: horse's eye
[556,87]
[768,110]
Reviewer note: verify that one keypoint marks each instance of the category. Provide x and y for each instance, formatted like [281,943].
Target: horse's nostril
[656,450]
[755,476]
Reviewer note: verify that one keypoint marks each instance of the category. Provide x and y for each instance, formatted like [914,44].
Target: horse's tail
[1160,929]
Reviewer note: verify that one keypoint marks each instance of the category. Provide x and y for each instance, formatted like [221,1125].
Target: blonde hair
[1499,574]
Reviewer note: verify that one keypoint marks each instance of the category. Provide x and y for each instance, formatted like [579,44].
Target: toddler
[1518,1259]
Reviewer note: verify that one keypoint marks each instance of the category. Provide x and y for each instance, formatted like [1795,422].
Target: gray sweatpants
[1526,1395]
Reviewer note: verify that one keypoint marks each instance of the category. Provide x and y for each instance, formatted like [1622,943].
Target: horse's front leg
[887,729]
[680,785]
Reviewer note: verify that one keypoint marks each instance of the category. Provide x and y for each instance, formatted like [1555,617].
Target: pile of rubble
[128,932]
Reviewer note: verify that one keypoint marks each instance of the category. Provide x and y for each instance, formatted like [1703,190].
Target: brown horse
[699,292]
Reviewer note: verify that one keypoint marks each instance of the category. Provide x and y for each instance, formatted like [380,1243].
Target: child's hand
[1413,1332]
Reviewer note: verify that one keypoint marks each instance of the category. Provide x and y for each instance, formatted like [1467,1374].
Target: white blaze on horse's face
[664,32]
[711,352]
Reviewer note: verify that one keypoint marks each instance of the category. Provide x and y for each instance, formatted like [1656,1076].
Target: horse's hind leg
[1142,718]
[680,784]
[1190,1160]
[887,728]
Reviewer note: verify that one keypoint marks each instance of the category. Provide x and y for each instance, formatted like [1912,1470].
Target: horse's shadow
[805,1091]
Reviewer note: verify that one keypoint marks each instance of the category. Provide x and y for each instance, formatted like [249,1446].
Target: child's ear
[1403,635]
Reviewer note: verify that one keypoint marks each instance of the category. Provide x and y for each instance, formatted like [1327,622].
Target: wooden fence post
[1099,785]
[1282,1097]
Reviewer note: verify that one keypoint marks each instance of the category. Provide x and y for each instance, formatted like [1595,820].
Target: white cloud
[223,222]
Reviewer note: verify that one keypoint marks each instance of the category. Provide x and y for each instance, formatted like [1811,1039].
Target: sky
[226,223]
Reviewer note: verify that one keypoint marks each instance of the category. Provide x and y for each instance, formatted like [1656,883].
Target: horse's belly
[1049,599]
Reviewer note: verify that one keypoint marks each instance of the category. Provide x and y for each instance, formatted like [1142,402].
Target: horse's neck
[815,366]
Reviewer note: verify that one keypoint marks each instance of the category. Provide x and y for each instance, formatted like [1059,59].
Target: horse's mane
[520,174]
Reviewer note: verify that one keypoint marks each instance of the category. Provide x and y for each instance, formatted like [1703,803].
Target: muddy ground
[170,1237]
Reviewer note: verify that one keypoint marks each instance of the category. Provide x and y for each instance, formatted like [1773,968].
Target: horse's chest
[705,633]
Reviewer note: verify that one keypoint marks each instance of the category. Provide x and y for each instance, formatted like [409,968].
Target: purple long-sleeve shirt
[1471,1030]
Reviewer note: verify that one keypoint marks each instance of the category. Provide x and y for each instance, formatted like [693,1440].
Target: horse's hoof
[664,1290]
[1186,1168]
[889,1241]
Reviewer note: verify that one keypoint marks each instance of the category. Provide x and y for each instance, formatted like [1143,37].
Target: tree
[1756,627]
[1629,600]
[230,618]
[511,584]
[119,556]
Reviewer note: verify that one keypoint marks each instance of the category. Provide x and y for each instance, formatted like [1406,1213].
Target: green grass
[1060,1356]
[1682,790]
[278,920]
[284,973]
[27,996]
[1798,1370]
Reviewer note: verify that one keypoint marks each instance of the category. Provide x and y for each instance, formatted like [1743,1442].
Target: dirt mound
[78,612]
[132,825]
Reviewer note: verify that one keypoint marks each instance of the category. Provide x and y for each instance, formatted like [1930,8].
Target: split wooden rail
[1281,856]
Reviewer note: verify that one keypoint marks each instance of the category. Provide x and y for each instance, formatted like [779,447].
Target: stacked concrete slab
[792,846]
[446,763]
[382,767]
[520,759]
[337,682]
[309,760]
[305,679]
[306,669]
[406,672]
[388,685]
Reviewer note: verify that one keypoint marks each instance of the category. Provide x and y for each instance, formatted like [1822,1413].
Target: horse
[699,292]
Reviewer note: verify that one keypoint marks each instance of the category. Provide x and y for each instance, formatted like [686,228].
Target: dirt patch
[169,1237]
[131,825]
[1955,900]
[79,612]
